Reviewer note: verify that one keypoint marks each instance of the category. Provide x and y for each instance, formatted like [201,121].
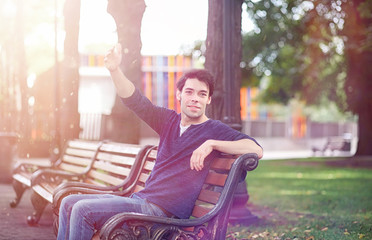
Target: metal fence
[90,124]
[285,129]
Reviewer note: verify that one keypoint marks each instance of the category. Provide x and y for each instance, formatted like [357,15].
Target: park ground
[307,198]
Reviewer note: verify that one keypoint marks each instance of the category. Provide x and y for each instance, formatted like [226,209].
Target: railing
[285,129]
[90,124]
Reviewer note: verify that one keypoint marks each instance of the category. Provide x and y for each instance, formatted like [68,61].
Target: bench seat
[24,169]
[210,214]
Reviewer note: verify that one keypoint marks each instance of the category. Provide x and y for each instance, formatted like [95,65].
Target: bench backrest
[77,156]
[113,164]
[213,184]
[146,168]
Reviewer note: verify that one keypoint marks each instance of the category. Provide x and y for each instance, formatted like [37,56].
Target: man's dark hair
[200,74]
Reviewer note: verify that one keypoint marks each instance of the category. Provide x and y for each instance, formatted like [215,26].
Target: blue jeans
[81,215]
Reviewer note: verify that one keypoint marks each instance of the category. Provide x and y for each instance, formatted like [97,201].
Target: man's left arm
[237,147]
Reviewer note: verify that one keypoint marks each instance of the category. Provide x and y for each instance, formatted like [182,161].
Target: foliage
[302,199]
[38,28]
[295,44]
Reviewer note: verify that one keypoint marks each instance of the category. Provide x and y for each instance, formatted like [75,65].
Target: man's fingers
[197,162]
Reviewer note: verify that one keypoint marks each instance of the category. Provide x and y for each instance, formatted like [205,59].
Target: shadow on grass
[308,199]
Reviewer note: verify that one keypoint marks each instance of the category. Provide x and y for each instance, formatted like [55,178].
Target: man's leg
[90,214]
[65,212]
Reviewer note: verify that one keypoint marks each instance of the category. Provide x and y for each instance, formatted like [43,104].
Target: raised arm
[238,147]
[124,87]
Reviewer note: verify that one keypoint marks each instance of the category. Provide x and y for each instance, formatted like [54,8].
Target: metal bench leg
[19,189]
[39,205]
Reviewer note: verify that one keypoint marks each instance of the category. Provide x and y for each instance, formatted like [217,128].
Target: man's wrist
[213,143]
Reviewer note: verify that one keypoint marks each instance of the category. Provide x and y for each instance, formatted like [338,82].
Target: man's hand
[113,58]
[199,155]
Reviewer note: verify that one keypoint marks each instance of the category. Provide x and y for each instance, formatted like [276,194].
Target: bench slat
[149,166]
[152,155]
[48,186]
[217,179]
[105,178]
[79,152]
[138,188]
[83,144]
[72,168]
[199,211]
[121,148]
[76,160]
[116,158]
[222,163]
[143,177]
[42,192]
[209,196]
[23,178]
[119,170]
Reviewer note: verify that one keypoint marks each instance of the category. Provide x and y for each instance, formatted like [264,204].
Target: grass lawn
[308,199]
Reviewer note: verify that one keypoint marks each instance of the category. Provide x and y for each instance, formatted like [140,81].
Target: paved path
[13,225]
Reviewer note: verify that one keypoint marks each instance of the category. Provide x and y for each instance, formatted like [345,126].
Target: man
[188,142]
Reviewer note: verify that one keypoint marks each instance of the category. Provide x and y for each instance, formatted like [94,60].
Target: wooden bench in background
[75,150]
[333,144]
[134,182]
[110,166]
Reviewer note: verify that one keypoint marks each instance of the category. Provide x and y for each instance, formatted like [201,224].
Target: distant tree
[124,126]
[316,51]
[68,114]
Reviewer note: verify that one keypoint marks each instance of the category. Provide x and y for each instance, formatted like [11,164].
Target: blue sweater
[172,184]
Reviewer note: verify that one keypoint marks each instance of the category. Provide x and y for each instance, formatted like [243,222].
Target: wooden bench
[334,144]
[210,214]
[74,149]
[135,181]
[110,165]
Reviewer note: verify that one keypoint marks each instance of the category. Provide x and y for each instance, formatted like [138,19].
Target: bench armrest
[42,174]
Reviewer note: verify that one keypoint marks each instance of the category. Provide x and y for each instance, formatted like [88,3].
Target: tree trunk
[69,81]
[358,86]
[214,57]
[125,126]
[217,61]
[20,76]
[222,59]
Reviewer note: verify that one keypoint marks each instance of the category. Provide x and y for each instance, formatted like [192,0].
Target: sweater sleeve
[154,116]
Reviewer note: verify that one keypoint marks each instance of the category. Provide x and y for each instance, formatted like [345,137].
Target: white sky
[166,26]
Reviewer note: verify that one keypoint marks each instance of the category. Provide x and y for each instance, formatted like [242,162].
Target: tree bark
[69,81]
[125,126]
[223,58]
[358,86]
[214,57]
[216,61]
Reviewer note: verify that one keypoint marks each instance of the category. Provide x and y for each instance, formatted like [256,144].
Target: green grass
[308,200]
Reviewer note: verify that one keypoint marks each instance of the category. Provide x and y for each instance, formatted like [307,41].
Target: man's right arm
[124,87]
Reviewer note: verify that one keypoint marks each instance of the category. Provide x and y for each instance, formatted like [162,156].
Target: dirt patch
[353,162]
[267,216]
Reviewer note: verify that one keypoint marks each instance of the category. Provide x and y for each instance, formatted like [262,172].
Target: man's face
[194,99]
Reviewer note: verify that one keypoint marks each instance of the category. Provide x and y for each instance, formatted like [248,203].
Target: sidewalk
[13,224]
